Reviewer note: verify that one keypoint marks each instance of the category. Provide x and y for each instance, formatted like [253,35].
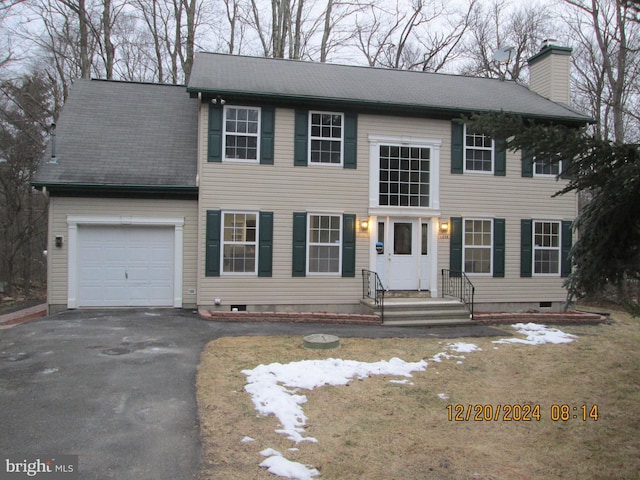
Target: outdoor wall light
[218,100]
[444,227]
[364,224]
[58,241]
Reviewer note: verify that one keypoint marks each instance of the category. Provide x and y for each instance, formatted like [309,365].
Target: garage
[125,266]
[122,261]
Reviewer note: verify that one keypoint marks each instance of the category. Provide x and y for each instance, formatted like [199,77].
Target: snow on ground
[458,347]
[538,335]
[280,466]
[274,387]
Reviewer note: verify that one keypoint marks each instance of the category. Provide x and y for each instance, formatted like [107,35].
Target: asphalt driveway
[117,388]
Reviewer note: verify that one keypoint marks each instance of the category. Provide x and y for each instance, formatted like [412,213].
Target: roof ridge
[365,67]
[135,82]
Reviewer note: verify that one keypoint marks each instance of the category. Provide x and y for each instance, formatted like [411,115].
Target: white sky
[274,388]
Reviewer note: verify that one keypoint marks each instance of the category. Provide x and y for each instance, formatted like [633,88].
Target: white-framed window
[239,242]
[324,248]
[544,168]
[478,152]
[404,179]
[477,243]
[546,247]
[326,139]
[241,133]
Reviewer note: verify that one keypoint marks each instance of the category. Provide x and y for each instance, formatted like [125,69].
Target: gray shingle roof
[119,133]
[220,74]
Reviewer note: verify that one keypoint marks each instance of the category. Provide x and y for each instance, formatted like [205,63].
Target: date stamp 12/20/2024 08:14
[480,412]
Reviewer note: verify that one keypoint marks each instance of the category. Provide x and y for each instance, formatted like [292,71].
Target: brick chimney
[549,72]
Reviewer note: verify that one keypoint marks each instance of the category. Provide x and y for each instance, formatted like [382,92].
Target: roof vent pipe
[53,159]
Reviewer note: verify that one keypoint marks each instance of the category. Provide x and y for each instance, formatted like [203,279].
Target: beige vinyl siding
[512,197]
[479,195]
[61,207]
[401,126]
[282,189]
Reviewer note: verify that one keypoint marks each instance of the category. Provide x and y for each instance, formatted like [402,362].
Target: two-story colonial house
[271,185]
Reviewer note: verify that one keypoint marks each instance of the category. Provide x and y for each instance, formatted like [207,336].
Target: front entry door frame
[398,269]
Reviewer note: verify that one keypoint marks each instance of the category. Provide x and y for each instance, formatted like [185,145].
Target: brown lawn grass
[377,430]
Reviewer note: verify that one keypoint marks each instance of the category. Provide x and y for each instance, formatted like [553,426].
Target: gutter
[62,189]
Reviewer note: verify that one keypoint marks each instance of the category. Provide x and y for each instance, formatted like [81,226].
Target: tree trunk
[109,48]
[324,45]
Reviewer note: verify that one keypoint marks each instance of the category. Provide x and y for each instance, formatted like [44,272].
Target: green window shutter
[299,262]
[348,245]
[350,140]
[500,158]
[267,128]
[265,244]
[214,152]
[212,244]
[301,139]
[567,243]
[498,246]
[566,169]
[527,163]
[457,147]
[455,246]
[526,248]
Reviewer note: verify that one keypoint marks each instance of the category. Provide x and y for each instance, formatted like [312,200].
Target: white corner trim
[72,244]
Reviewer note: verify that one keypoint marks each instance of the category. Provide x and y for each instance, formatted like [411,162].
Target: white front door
[404,261]
[403,254]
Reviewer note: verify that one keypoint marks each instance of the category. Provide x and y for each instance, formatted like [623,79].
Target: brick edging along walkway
[23,315]
[567,318]
[571,317]
[291,317]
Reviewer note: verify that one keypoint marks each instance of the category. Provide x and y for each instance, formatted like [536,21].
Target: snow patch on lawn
[538,335]
[274,388]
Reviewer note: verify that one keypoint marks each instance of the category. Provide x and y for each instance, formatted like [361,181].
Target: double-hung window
[546,248]
[478,152]
[544,167]
[325,244]
[477,246]
[239,242]
[241,133]
[326,138]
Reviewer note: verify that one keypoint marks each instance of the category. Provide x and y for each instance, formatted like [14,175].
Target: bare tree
[424,37]
[173,26]
[606,58]
[233,15]
[501,25]
[188,41]
[79,7]
[24,116]
[67,49]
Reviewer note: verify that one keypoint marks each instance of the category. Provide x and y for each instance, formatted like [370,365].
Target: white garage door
[125,266]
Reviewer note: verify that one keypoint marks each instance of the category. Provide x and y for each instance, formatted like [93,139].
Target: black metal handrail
[457,284]
[373,289]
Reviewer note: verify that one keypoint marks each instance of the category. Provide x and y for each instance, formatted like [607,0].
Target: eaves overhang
[382,108]
[61,189]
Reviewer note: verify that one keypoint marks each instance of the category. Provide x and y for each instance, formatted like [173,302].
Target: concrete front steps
[420,310]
